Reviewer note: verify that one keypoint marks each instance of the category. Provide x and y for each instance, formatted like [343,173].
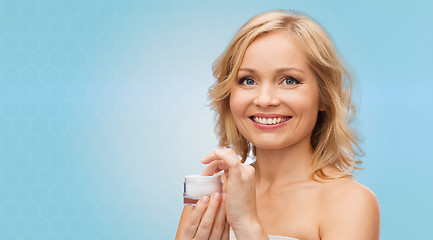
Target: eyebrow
[279,70]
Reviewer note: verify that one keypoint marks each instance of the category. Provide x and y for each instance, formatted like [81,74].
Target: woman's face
[275,100]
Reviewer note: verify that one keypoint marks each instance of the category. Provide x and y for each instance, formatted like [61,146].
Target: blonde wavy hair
[333,140]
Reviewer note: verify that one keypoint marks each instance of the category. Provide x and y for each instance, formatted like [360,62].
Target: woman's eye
[247,81]
[290,81]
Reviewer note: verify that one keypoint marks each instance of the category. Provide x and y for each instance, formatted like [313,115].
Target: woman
[283,94]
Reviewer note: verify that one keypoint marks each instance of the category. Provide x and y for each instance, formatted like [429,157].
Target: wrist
[250,230]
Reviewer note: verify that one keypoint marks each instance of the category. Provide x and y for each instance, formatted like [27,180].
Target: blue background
[103,109]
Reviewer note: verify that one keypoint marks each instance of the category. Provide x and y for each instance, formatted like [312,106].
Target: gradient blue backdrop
[103,109]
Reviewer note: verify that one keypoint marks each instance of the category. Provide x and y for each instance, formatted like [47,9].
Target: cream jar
[196,186]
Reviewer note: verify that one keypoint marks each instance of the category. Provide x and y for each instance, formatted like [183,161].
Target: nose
[266,97]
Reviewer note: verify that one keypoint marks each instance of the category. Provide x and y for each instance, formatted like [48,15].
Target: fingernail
[205,200]
[216,196]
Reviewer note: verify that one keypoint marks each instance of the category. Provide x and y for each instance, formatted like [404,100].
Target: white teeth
[270,121]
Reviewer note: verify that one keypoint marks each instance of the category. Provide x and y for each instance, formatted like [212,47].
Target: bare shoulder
[349,210]
[347,191]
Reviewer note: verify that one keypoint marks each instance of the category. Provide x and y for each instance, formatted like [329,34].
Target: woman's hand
[240,191]
[207,220]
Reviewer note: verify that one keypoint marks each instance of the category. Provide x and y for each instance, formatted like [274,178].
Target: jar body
[196,186]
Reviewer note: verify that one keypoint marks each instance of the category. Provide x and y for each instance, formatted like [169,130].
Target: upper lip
[269,115]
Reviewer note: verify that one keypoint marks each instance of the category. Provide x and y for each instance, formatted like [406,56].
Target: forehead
[276,49]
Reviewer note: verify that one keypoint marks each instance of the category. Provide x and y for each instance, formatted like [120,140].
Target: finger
[226,231]
[225,159]
[219,154]
[192,225]
[217,166]
[209,158]
[214,167]
[219,223]
[208,218]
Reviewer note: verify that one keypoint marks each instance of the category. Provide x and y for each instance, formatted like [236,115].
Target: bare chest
[290,212]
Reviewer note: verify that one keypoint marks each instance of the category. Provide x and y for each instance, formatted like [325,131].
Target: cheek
[237,104]
[304,102]
[306,107]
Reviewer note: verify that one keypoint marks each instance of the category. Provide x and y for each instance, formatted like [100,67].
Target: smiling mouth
[269,121]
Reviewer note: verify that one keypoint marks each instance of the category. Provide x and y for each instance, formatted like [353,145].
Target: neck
[284,166]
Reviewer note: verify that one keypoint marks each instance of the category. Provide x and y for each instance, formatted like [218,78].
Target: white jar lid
[202,179]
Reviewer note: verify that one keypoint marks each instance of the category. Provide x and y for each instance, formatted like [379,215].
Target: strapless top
[271,237]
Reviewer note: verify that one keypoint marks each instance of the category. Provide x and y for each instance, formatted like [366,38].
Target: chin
[269,145]
[275,143]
